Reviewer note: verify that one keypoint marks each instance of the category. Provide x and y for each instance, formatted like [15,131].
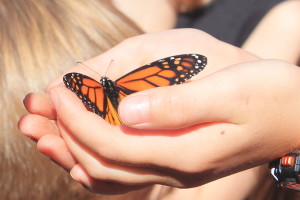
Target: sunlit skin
[236,116]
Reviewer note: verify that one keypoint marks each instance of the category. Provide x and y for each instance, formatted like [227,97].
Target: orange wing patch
[158,81]
[139,74]
[112,115]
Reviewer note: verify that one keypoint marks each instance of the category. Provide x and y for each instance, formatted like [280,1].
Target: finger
[87,128]
[99,168]
[56,149]
[132,147]
[98,186]
[36,126]
[223,96]
[40,104]
[210,99]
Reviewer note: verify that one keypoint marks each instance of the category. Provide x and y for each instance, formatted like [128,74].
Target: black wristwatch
[285,171]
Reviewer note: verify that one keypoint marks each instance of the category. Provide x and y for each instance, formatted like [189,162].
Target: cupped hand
[110,159]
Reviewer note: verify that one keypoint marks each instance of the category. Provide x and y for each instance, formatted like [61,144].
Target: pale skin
[148,15]
[231,117]
[277,35]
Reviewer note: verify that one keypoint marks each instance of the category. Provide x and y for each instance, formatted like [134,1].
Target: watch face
[285,171]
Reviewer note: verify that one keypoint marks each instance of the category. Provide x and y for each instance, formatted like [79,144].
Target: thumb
[178,106]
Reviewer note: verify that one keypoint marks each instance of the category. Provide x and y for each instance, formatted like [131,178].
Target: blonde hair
[39,40]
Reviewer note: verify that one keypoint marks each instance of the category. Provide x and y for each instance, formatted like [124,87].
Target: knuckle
[170,109]
[94,173]
[229,87]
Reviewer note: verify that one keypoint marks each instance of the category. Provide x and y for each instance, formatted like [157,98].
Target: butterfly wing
[112,115]
[164,72]
[93,95]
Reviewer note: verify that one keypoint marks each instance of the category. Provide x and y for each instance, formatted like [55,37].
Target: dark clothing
[231,21]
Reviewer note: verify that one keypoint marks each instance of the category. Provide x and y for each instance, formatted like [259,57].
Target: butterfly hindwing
[164,72]
[112,115]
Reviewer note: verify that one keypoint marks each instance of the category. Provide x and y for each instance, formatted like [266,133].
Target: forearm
[277,35]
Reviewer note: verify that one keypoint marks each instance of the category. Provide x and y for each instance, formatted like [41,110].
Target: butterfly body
[111,91]
[103,97]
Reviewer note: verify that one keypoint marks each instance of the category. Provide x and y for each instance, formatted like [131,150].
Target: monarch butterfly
[103,97]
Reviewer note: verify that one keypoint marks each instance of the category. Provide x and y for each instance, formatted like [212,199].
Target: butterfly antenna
[87,67]
[109,66]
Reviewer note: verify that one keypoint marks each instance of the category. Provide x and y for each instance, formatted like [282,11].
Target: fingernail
[78,174]
[134,110]
[26,98]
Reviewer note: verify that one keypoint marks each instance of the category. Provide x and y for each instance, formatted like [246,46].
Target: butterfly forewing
[164,72]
